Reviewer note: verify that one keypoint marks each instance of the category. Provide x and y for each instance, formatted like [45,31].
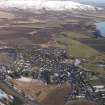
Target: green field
[77,49]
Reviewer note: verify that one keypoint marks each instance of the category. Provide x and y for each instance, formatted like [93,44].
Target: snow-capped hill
[47,5]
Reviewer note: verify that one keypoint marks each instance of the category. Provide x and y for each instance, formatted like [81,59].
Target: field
[70,32]
[77,49]
[20,29]
[4,14]
[50,94]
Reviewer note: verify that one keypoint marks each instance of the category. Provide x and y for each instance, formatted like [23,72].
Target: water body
[101,27]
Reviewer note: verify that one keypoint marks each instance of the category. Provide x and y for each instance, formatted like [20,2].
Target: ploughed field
[21,35]
[28,35]
[19,27]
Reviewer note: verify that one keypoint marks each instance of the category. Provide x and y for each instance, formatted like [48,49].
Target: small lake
[101,27]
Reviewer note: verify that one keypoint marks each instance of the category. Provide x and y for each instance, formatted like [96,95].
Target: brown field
[47,95]
[4,14]
[81,102]
[50,94]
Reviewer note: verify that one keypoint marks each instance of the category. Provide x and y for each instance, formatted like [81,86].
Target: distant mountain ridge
[53,5]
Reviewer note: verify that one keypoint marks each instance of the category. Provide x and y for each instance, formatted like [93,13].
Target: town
[52,52]
[53,66]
